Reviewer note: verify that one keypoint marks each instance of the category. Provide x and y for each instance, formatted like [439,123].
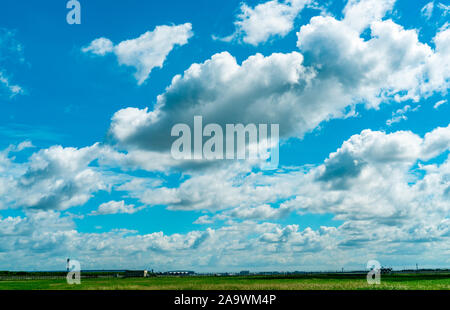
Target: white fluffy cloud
[256,25]
[392,64]
[371,184]
[224,92]
[115,207]
[54,178]
[388,192]
[336,70]
[372,178]
[273,18]
[59,178]
[379,162]
[49,238]
[359,14]
[146,52]
[47,235]
[100,46]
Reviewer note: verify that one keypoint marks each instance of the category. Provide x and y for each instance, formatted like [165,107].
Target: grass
[299,282]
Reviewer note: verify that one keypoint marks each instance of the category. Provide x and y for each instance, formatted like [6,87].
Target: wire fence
[53,277]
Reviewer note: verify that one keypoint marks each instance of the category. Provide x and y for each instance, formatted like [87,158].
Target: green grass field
[303,282]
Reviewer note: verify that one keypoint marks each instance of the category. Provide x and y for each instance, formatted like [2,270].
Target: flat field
[438,281]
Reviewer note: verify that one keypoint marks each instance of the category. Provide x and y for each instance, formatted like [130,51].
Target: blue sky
[359,88]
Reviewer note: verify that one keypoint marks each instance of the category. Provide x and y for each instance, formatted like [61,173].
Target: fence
[53,277]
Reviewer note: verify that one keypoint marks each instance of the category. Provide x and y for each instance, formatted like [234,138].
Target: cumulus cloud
[372,159]
[146,52]
[256,25]
[58,178]
[204,219]
[336,70]
[392,64]
[54,178]
[359,14]
[436,142]
[49,235]
[224,92]
[100,46]
[372,177]
[370,184]
[265,212]
[115,207]
[49,238]
[389,192]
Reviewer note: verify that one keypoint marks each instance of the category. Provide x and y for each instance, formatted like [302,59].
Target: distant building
[136,274]
[244,273]
[180,273]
